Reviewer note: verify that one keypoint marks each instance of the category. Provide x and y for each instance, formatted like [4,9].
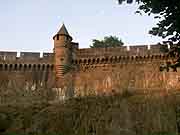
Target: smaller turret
[62,52]
[63,32]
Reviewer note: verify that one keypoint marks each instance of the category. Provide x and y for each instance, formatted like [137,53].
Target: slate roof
[63,31]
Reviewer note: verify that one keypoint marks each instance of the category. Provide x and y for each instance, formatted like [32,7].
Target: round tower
[62,52]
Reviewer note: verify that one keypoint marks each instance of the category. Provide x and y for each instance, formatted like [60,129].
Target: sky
[29,25]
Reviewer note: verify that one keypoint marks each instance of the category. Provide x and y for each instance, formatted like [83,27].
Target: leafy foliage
[173,52]
[168,13]
[111,41]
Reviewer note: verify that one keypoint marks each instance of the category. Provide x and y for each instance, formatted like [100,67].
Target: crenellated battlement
[26,61]
[29,55]
[85,56]
[120,51]
[8,55]
[25,56]
[119,54]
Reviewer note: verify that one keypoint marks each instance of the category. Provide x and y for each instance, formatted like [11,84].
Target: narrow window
[57,36]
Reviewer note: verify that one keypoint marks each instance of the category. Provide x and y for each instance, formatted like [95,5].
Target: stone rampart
[142,50]
[93,70]
[25,56]
[8,55]
[123,54]
[26,77]
[113,70]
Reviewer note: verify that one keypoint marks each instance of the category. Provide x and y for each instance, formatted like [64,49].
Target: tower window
[57,36]
[62,59]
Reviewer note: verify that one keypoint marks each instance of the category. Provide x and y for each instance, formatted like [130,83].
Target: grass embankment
[107,115]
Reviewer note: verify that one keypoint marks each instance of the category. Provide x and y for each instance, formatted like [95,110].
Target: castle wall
[112,70]
[27,77]
[141,76]
[92,71]
[142,50]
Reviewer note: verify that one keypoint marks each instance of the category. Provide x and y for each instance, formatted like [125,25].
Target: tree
[110,41]
[168,13]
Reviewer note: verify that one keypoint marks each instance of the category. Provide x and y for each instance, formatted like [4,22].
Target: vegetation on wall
[109,41]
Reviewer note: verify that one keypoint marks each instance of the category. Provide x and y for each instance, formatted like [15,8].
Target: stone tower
[63,54]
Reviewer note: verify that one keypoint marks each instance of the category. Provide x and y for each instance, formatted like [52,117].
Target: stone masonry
[93,71]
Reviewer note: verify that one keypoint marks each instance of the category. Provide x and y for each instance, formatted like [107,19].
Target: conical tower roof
[63,31]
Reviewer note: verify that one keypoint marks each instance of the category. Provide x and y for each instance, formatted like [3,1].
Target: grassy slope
[108,115]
